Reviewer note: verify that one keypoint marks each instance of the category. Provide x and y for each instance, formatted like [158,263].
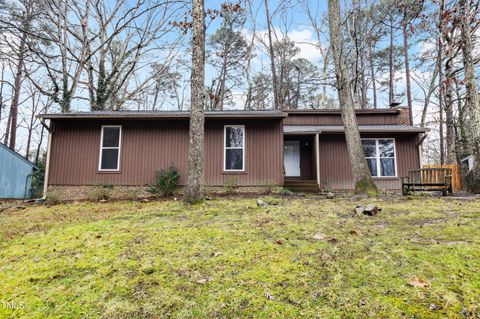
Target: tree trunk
[472,99]
[195,174]
[7,130]
[2,82]
[461,141]
[407,68]
[361,174]
[248,67]
[30,127]
[450,137]
[17,86]
[440,80]
[440,120]
[223,79]
[431,88]
[363,83]
[276,99]
[39,146]
[390,62]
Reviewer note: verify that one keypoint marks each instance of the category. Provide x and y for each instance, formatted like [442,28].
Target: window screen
[110,148]
[380,156]
[234,148]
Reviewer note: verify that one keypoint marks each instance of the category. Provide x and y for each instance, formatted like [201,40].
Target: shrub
[231,185]
[102,192]
[52,199]
[285,192]
[326,187]
[472,181]
[267,187]
[132,195]
[166,181]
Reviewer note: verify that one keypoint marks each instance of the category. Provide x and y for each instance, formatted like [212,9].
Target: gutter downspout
[26,184]
[420,149]
[47,162]
[317,156]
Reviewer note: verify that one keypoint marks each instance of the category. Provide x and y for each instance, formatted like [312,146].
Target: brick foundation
[93,192]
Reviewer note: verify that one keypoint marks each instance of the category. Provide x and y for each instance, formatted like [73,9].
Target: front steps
[302,186]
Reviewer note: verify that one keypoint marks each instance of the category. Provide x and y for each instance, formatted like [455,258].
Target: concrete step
[304,190]
[302,186]
[297,181]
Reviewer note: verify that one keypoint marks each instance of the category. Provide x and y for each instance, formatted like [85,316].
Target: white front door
[292,158]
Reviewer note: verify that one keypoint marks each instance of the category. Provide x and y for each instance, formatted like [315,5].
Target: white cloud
[303,38]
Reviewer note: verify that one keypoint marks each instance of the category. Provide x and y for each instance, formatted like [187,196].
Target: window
[380,155]
[234,156]
[110,142]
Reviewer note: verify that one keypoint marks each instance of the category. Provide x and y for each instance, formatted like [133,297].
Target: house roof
[339,111]
[20,157]
[163,114]
[295,129]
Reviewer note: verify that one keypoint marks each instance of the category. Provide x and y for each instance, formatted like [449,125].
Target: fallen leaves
[269,296]
[417,282]
[318,236]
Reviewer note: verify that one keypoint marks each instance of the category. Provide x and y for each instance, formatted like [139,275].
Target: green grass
[228,258]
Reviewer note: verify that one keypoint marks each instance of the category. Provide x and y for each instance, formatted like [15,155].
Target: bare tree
[318,22]
[410,10]
[99,46]
[447,45]
[195,170]
[277,102]
[472,98]
[16,21]
[361,173]
[230,53]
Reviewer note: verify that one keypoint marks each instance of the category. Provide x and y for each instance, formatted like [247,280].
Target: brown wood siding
[263,157]
[336,119]
[151,145]
[335,165]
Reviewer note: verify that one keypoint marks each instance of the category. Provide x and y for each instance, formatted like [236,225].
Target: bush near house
[293,258]
[166,181]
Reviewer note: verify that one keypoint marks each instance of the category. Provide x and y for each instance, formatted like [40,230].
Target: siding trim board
[182,115]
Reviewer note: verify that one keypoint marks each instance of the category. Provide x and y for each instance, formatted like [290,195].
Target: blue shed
[15,174]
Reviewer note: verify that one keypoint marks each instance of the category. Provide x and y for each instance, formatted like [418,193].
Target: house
[16,174]
[249,149]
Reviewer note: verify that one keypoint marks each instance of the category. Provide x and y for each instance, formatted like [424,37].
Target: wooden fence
[456,174]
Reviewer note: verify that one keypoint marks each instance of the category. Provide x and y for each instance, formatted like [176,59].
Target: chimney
[404,115]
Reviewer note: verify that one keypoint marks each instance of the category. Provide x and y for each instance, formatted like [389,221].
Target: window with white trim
[110,142]
[234,154]
[380,156]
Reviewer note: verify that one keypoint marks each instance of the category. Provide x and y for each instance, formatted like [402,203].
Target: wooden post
[47,165]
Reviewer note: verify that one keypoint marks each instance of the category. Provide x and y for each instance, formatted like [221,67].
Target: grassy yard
[228,258]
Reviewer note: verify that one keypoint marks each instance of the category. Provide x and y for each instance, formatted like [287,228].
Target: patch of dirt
[452,242]
[425,221]
[264,221]
[400,213]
